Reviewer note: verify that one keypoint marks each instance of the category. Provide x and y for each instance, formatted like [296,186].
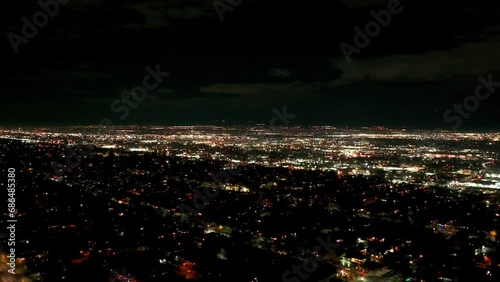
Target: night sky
[263,55]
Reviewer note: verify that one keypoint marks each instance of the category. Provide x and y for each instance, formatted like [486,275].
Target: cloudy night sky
[264,55]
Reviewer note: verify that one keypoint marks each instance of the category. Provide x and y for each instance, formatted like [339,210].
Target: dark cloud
[280,72]
[470,58]
[266,54]
[250,89]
